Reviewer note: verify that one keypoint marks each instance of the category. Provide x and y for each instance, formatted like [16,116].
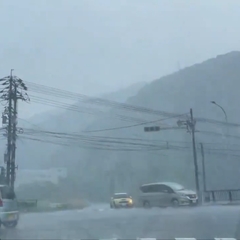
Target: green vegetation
[49,197]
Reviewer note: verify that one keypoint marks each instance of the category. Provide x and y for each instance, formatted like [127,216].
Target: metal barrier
[222,195]
[27,203]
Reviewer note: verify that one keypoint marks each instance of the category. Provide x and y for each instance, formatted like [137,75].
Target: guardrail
[27,203]
[222,195]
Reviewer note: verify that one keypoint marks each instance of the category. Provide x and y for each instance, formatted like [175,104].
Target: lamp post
[226,119]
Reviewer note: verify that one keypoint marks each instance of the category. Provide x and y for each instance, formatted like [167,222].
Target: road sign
[152,129]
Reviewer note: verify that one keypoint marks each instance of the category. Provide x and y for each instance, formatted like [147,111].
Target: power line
[135,125]
[127,148]
[75,108]
[75,135]
[93,100]
[103,139]
[116,105]
[99,146]
[217,134]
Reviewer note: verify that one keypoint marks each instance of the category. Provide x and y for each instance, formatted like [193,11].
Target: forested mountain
[117,155]
[33,153]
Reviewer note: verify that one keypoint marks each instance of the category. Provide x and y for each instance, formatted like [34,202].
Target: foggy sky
[94,46]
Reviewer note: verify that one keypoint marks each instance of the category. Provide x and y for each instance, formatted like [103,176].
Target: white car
[164,194]
[9,213]
[121,200]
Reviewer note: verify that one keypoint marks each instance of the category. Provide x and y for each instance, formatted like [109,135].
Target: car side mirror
[130,197]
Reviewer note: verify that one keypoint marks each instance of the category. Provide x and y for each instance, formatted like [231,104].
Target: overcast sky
[94,46]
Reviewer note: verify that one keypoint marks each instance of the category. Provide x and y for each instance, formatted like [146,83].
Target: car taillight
[1,203]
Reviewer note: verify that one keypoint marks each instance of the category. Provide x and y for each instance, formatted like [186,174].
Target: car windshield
[121,195]
[176,186]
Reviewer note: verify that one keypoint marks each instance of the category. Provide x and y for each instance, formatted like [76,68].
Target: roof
[165,183]
[119,193]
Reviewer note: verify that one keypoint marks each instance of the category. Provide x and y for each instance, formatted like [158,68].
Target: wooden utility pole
[14,136]
[9,136]
[13,89]
[192,127]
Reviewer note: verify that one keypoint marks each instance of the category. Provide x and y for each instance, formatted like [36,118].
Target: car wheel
[146,204]
[175,203]
[10,224]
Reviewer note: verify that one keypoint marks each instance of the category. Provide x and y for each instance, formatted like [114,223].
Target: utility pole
[9,141]
[203,168]
[13,90]
[191,124]
[14,136]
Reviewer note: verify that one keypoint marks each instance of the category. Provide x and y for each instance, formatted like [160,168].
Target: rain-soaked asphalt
[101,222]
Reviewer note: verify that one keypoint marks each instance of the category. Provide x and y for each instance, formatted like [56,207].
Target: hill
[138,157]
[38,154]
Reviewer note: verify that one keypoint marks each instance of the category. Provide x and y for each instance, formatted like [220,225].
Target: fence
[27,204]
[222,195]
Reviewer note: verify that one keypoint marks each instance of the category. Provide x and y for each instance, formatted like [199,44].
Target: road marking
[225,238]
[108,239]
[185,239]
[117,238]
[146,238]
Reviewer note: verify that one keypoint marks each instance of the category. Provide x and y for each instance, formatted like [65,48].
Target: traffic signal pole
[190,124]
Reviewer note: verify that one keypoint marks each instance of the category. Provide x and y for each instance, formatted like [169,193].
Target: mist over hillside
[76,117]
[102,143]
[136,157]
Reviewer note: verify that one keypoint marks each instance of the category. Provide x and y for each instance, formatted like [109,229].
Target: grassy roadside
[46,206]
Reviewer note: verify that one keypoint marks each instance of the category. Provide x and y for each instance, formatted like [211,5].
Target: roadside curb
[48,210]
[222,204]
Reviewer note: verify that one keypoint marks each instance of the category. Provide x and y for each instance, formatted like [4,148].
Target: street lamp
[213,102]
[226,119]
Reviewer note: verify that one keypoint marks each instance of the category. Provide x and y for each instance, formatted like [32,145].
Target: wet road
[99,222]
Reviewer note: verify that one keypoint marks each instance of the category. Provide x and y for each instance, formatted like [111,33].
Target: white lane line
[225,238]
[185,239]
[146,238]
[108,239]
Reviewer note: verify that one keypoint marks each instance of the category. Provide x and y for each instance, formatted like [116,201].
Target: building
[26,176]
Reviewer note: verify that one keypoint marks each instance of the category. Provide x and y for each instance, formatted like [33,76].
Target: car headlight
[130,201]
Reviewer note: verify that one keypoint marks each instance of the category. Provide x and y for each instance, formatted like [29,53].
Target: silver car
[166,194]
[9,213]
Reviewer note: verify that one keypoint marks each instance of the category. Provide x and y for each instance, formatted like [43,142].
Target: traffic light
[152,129]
